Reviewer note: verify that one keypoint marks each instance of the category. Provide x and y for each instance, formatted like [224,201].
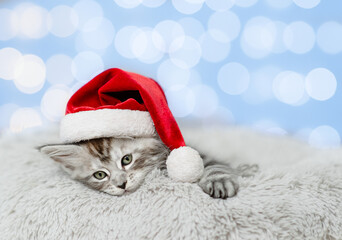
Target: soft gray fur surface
[295,195]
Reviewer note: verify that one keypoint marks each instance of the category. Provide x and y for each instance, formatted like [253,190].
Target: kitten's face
[114,166]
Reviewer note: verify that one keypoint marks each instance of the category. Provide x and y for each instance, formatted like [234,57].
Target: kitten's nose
[123,185]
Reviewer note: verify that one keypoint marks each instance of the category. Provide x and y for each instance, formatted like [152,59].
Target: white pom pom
[184,164]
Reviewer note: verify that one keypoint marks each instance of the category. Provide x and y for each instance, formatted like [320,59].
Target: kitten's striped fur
[81,160]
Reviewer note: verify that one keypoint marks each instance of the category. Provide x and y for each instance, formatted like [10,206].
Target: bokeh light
[258,37]
[279,45]
[24,118]
[169,74]
[6,112]
[153,3]
[62,21]
[181,100]
[224,26]
[86,65]
[128,3]
[329,37]
[289,88]
[320,84]
[260,86]
[143,46]
[29,74]
[220,5]
[299,37]
[233,78]
[124,40]
[188,55]
[325,137]
[8,24]
[54,102]
[279,3]
[188,6]
[9,58]
[33,20]
[98,33]
[165,32]
[245,3]
[58,69]
[307,3]
[87,9]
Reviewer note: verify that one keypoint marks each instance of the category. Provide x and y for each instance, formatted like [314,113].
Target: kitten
[119,165]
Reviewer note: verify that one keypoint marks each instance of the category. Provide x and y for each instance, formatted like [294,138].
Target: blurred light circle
[98,33]
[87,9]
[124,40]
[192,27]
[54,102]
[245,3]
[181,100]
[325,137]
[213,50]
[24,118]
[187,6]
[289,87]
[188,55]
[128,3]
[279,3]
[224,26]
[329,37]
[165,33]
[320,84]
[8,24]
[258,37]
[307,3]
[220,5]
[6,112]
[63,21]
[143,46]
[9,58]
[233,78]
[58,69]
[169,74]
[33,21]
[279,46]
[86,65]
[29,74]
[206,101]
[260,86]
[153,3]
[299,37]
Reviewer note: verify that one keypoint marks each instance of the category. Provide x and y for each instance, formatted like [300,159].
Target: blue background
[260,101]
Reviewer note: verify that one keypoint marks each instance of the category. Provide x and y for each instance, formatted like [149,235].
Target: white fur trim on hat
[184,164]
[86,125]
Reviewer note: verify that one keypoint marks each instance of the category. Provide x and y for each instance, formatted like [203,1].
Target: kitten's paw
[220,187]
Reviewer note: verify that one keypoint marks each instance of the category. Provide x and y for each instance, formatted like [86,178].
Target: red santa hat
[117,103]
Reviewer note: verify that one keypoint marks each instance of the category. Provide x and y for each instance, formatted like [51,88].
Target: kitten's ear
[68,155]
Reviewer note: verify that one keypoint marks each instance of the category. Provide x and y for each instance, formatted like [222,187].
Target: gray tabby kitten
[119,165]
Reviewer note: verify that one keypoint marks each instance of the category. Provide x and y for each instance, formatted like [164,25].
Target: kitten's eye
[127,159]
[100,175]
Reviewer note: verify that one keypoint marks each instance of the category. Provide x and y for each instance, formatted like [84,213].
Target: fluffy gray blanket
[295,195]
